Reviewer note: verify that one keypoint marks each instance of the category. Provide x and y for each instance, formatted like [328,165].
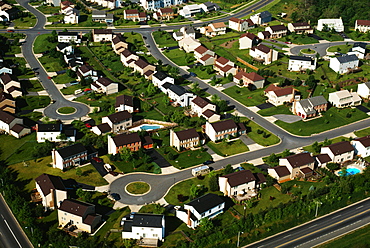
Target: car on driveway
[97,159]
[113,173]
[49,77]
[115,196]
[288,42]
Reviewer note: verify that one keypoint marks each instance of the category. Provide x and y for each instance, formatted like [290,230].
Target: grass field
[271,138]
[228,148]
[245,96]
[184,159]
[282,109]
[203,71]
[10,145]
[164,39]
[308,51]
[42,44]
[63,78]
[32,102]
[363,132]
[179,57]
[329,36]
[299,39]
[340,48]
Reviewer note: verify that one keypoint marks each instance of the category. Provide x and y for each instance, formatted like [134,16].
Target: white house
[87,71]
[362,26]
[209,6]
[339,152]
[309,107]
[7,122]
[344,98]
[102,35]
[206,206]
[50,132]
[301,63]
[188,31]
[224,66]
[190,10]
[65,48]
[159,78]
[240,25]
[299,165]
[200,51]
[261,18]
[127,57]
[240,183]
[79,214]
[71,15]
[72,155]
[300,27]
[213,29]
[336,24]
[198,105]
[180,95]
[207,60]
[278,96]
[104,85]
[124,102]
[185,139]
[362,146]
[344,63]
[211,116]
[277,31]
[51,189]
[321,160]
[248,40]
[358,49]
[19,130]
[363,90]
[263,54]
[101,129]
[118,121]
[68,37]
[143,226]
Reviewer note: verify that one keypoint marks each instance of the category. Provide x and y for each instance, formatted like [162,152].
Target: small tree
[213,183]
[332,166]
[228,169]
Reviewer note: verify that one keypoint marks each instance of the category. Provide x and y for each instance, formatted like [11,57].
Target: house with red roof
[164,14]
[251,79]
[263,54]
[248,40]
[240,25]
[200,51]
[362,26]
[224,66]
[278,96]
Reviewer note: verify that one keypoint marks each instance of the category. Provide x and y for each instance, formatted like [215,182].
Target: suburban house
[263,54]
[261,18]
[72,155]
[119,44]
[50,132]
[189,44]
[179,95]
[187,31]
[299,165]
[102,16]
[102,35]
[185,139]
[240,25]
[206,206]
[207,60]
[241,183]
[277,31]
[344,64]
[7,122]
[358,49]
[101,129]
[264,35]
[363,90]
[127,57]
[248,40]
[362,26]
[7,102]
[19,130]
[74,61]
[164,14]
[278,96]
[104,85]
[68,37]
[124,102]
[300,28]
[142,66]
[71,15]
[223,129]
[309,107]
[224,66]
[118,121]
[200,51]
[82,215]
[213,29]
[65,48]
[280,173]
[144,226]
[198,105]
[134,15]
[209,6]
[10,85]
[344,98]
[51,189]
[190,10]
[362,146]
[87,71]
[336,24]
[251,79]
[301,63]
[159,78]
[211,116]
[153,5]
[131,140]
[321,160]
[339,152]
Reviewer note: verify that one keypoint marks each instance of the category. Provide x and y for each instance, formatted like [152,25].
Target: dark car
[208,162]
[10,31]
[145,37]
[192,74]
[113,173]
[115,196]
[98,160]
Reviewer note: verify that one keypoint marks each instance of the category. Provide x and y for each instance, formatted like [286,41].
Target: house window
[155,235]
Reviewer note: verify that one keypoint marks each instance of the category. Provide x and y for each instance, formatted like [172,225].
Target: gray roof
[347,58]
[160,75]
[147,220]
[318,100]
[177,89]
[306,105]
[265,14]
[360,44]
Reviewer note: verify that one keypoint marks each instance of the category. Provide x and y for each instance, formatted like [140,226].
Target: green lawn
[84,21]
[42,165]
[164,39]
[203,71]
[179,57]
[48,9]
[63,79]
[340,48]
[184,159]
[51,64]
[308,51]
[10,145]
[66,110]
[363,132]
[133,166]
[25,22]
[269,7]
[357,36]
[323,90]
[246,96]
[282,109]
[228,148]
[299,39]
[35,116]
[332,118]
[329,35]
[31,85]
[32,102]
[267,140]
[333,141]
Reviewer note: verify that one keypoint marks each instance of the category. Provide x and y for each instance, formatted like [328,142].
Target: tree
[222,106]
[125,153]
[215,99]
[230,77]
[316,147]
[332,166]
[194,191]
[213,183]
[151,89]
[228,169]
[297,82]
[206,225]
[272,160]
[311,82]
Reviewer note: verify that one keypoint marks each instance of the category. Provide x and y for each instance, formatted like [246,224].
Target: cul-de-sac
[184,123]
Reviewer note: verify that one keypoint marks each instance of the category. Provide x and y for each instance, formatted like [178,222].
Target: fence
[247,64]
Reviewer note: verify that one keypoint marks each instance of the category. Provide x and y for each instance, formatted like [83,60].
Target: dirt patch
[228,44]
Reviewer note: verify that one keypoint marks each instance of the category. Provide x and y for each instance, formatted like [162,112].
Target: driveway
[288,118]
[363,109]
[158,158]
[265,106]
[99,168]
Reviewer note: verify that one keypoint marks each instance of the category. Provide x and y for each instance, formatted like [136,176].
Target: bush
[259,131]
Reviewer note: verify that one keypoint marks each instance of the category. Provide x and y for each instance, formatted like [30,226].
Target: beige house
[300,28]
[213,29]
[211,116]
[7,122]
[142,66]
[19,130]
[240,25]
[188,44]
[10,85]
[280,173]
[299,165]
[344,99]
[199,105]
[51,189]
[248,40]
[82,215]
[7,102]
[200,51]
[224,66]
[164,14]
[277,31]
[249,79]
[263,54]
[207,60]
[278,96]
[102,35]
[185,139]
[223,129]
[119,44]
[127,57]
[118,121]
[104,85]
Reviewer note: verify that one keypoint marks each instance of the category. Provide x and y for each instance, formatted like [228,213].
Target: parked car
[115,196]
[108,167]
[273,40]
[88,125]
[113,173]
[288,42]
[192,74]
[97,159]
[10,31]
[208,162]
[49,77]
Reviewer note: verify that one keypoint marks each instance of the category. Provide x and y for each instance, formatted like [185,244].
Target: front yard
[245,96]
[179,57]
[228,148]
[185,159]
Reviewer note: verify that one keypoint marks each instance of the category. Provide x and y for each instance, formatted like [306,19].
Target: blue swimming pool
[148,127]
[351,171]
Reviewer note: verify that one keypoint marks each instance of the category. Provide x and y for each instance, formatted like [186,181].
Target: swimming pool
[350,171]
[146,127]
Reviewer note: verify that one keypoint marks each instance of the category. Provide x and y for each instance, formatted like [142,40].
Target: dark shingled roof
[262,48]
[104,127]
[208,113]
[125,100]
[187,134]
[119,116]
[347,58]
[105,81]
[69,151]
[365,141]
[89,220]
[278,28]
[323,158]
[299,159]
[147,220]
[201,102]
[68,33]
[85,68]
[205,203]
[240,177]
[18,128]
[141,63]
[125,139]
[303,58]
[177,89]
[75,207]
[340,147]
[160,75]
[48,182]
[102,31]
[49,127]
[281,171]
[6,117]
[306,170]
[224,125]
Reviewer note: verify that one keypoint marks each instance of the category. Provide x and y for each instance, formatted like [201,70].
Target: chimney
[189,221]
[52,202]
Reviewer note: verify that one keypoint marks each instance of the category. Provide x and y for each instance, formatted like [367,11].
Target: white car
[108,167]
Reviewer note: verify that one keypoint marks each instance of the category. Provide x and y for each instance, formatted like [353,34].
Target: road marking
[336,216]
[322,228]
[287,236]
[12,233]
[360,207]
[312,226]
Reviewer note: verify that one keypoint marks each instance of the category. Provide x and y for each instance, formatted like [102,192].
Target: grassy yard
[357,36]
[332,118]
[51,64]
[335,140]
[10,145]
[228,148]
[35,116]
[245,96]
[299,39]
[363,132]
[282,109]
[25,22]
[36,168]
[267,140]
[329,36]
[133,166]
[164,39]
[179,57]
[47,10]
[322,90]
[84,21]
[184,159]
[340,48]
[203,72]
[63,79]
[42,44]
[32,102]
[308,51]
[31,85]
